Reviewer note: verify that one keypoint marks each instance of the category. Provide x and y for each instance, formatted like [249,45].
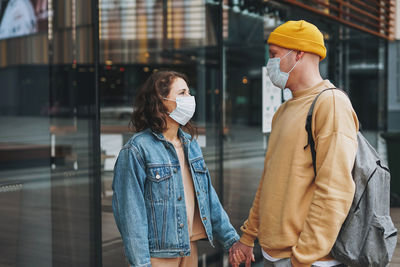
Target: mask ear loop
[294,66]
[287,54]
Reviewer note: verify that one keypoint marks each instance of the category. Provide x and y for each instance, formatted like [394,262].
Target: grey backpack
[368,236]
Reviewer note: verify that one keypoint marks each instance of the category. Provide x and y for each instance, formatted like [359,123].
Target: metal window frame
[95,176]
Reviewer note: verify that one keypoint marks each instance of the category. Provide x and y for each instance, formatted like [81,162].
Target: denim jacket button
[181,225]
[157,176]
[179,198]
[204,218]
[175,170]
[181,253]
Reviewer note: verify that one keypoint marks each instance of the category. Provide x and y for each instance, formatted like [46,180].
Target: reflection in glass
[47,113]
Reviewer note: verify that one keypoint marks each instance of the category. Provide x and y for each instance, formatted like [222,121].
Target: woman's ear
[169,105]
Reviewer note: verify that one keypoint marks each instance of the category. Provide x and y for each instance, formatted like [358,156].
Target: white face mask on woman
[185,108]
[278,77]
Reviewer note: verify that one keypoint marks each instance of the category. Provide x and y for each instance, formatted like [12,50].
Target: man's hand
[239,252]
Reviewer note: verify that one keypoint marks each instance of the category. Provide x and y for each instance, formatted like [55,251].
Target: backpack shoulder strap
[311,142]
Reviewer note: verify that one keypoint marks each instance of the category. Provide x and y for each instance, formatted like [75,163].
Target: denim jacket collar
[185,136]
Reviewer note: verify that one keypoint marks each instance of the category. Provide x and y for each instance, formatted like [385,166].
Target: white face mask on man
[185,108]
[278,77]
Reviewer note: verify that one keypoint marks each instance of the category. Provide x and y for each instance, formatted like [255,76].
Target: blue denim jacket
[149,201]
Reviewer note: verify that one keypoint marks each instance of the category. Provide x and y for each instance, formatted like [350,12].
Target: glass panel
[138,38]
[363,70]
[47,113]
[244,142]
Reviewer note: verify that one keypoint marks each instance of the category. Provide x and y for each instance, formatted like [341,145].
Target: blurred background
[69,72]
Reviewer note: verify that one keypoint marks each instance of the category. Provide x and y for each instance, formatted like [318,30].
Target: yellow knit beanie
[299,35]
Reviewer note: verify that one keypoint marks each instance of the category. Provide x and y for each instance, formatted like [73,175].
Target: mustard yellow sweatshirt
[295,214]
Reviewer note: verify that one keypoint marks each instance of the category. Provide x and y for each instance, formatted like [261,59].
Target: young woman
[163,198]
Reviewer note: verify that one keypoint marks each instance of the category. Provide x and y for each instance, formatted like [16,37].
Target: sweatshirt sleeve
[335,127]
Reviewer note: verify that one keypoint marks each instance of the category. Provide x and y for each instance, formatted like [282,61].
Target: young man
[297,214]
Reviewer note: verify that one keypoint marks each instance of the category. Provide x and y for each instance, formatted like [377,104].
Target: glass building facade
[69,71]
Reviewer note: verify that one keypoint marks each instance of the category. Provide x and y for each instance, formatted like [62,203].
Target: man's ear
[299,55]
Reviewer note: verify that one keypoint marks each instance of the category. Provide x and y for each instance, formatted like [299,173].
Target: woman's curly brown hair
[149,109]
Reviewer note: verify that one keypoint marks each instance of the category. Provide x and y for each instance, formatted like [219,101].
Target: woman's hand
[239,253]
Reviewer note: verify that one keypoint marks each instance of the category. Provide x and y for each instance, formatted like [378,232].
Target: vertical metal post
[382,84]
[397,53]
[383,77]
[220,109]
[346,59]
[96,233]
[165,24]
[220,101]
[338,43]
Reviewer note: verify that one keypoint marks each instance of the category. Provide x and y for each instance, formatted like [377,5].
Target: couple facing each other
[164,201]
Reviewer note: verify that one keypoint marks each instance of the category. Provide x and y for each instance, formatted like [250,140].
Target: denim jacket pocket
[159,184]
[201,172]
